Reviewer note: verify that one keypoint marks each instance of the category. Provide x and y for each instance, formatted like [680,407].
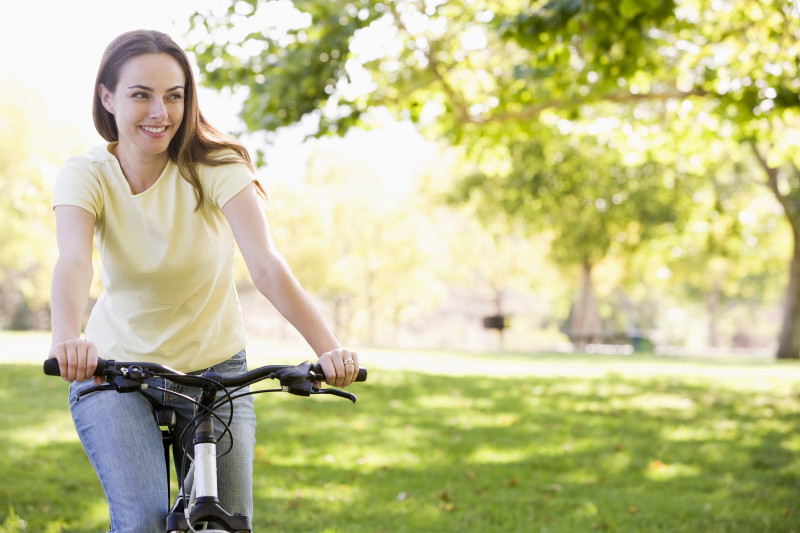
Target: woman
[164,199]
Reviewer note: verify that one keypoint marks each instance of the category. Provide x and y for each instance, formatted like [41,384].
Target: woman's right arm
[72,277]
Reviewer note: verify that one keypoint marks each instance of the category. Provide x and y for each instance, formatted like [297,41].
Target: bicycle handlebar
[52,368]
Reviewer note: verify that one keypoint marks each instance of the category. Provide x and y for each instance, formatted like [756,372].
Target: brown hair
[196,142]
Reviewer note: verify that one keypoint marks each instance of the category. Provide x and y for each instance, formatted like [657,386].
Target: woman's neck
[140,170]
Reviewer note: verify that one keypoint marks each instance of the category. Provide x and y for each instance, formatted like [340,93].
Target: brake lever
[335,392]
[97,388]
[116,383]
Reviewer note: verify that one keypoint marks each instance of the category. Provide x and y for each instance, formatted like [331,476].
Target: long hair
[196,142]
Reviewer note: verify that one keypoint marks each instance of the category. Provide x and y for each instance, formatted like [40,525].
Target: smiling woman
[164,199]
[148,82]
[145,118]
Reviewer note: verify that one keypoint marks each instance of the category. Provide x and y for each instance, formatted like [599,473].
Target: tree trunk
[585,327]
[712,308]
[498,309]
[372,337]
[789,340]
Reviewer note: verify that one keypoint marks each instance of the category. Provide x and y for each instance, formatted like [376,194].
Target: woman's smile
[154,131]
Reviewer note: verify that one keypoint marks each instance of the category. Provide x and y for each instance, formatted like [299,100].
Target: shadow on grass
[422,453]
[427,453]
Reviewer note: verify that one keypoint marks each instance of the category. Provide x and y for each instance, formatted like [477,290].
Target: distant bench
[610,342]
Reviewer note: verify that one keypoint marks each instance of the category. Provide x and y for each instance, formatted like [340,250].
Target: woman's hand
[77,359]
[340,366]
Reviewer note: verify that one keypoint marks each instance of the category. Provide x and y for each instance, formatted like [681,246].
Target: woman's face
[147,103]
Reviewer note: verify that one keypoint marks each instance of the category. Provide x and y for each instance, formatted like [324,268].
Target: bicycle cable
[183,438]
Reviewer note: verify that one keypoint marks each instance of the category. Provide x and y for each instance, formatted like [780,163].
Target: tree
[31,147]
[734,63]
[579,190]
[482,74]
[730,258]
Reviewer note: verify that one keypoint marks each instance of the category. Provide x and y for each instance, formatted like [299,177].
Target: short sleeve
[221,183]
[79,185]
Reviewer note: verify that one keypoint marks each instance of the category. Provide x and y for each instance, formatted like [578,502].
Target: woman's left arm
[274,279]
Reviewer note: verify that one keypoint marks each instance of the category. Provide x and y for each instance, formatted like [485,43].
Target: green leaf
[630,8]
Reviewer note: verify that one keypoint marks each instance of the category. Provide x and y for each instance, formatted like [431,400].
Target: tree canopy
[597,118]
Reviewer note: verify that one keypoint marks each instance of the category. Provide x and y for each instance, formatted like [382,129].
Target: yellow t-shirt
[168,286]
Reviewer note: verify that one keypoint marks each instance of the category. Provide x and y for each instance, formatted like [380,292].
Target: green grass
[550,443]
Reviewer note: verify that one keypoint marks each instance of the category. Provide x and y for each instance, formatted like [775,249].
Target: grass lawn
[543,443]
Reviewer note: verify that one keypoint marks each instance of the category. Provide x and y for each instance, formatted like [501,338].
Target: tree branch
[772,183]
[620,97]
[461,106]
[461,109]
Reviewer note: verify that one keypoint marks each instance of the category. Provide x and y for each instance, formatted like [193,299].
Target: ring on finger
[349,362]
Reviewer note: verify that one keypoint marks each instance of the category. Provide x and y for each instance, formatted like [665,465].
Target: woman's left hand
[340,366]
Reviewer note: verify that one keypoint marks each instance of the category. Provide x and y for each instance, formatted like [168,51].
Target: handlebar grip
[361,376]
[52,368]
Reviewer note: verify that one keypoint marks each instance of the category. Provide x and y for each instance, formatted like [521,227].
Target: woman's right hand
[77,359]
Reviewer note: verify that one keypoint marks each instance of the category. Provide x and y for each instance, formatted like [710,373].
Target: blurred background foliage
[32,147]
[601,172]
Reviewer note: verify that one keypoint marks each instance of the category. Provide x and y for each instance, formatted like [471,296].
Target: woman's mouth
[154,130]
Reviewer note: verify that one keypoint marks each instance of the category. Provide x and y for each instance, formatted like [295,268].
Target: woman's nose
[157,109]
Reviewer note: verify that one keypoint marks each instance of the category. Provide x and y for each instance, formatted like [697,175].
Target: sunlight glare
[474,38]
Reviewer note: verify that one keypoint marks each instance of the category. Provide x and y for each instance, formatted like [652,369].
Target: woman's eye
[139,95]
[176,96]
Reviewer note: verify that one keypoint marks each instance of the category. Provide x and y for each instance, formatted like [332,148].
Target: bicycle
[201,506]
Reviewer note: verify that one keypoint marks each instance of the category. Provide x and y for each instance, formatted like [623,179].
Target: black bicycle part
[206,511]
[106,366]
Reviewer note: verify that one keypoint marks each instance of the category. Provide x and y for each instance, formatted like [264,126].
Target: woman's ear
[106,97]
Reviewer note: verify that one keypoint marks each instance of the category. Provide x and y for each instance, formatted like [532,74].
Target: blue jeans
[123,443]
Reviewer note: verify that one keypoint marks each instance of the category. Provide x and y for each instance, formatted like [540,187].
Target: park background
[617,180]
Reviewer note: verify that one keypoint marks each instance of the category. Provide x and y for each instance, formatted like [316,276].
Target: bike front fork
[206,507]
